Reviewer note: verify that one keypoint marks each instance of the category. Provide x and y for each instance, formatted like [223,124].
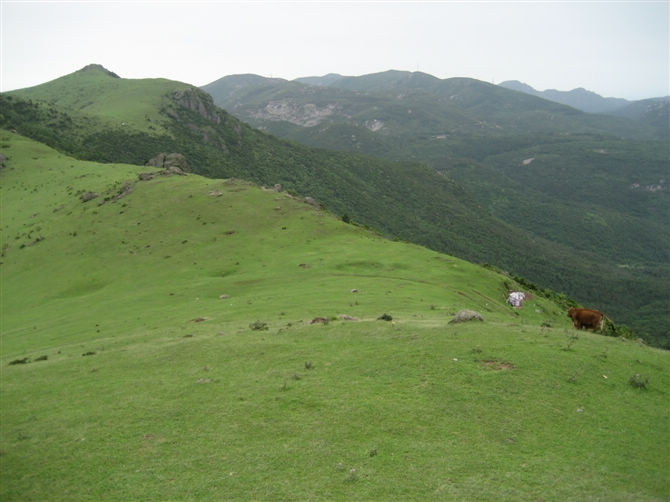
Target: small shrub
[638,382]
[619,330]
[385,317]
[572,338]
[259,326]
[25,360]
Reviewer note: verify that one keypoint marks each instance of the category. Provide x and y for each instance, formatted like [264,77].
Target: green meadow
[157,343]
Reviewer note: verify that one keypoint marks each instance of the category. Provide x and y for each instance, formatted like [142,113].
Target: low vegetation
[167,352]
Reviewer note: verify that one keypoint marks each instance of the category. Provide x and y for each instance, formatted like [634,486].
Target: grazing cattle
[586,318]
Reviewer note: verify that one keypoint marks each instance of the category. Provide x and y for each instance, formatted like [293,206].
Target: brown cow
[586,318]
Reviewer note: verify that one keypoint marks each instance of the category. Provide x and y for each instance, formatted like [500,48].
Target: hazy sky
[614,48]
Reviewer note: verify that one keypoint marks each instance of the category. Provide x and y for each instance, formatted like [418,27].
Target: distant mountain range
[380,102]
[580,98]
[655,111]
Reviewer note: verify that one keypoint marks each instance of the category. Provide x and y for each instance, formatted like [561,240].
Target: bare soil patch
[492,364]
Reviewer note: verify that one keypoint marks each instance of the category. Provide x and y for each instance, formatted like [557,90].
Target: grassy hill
[592,185]
[520,220]
[156,344]
[403,200]
[115,102]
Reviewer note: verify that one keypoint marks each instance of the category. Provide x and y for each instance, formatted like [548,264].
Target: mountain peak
[516,85]
[94,67]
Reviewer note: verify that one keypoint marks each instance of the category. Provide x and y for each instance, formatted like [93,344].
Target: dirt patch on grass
[492,364]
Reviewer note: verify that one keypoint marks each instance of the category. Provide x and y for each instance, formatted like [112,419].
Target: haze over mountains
[575,202]
[653,110]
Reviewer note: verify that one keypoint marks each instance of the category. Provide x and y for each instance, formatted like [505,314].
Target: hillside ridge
[208,338]
[456,188]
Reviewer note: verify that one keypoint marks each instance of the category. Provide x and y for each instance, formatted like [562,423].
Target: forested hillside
[595,186]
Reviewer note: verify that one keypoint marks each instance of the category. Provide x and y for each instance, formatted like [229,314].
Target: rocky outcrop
[175,163]
[198,102]
[86,196]
[466,315]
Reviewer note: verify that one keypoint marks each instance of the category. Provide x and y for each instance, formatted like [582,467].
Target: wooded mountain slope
[595,186]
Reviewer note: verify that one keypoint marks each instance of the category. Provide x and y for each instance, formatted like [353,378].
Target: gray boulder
[174,162]
[466,315]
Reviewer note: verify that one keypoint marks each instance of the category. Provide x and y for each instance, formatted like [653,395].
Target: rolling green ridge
[133,104]
[156,344]
[401,199]
[508,217]
[592,185]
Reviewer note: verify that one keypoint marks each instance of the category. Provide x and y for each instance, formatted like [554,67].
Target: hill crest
[402,199]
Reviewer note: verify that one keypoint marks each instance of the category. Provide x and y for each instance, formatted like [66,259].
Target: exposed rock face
[198,102]
[304,115]
[175,163]
[374,125]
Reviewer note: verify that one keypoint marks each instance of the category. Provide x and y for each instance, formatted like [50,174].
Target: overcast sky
[614,48]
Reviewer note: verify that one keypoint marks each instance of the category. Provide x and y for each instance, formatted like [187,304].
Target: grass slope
[591,187]
[154,385]
[119,103]
[540,218]
[405,200]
